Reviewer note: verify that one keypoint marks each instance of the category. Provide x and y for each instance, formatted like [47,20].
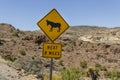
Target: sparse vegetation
[93,73]
[60,62]
[15,34]
[33,57]
[71,74]
[103,68]
[54,77]
[9,58]
[114,75]
[64,43]
[1,40]
[83,64]
[13,40]
[22,52]
[100,67]
[97,65]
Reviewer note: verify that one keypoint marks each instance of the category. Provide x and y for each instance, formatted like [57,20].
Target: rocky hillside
[90,44]
[97,34]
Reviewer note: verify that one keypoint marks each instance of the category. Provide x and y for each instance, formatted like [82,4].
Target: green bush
[71,74]
[1,40]
[9,58]
[33,57]
[97,65]
[22,52]
[93,73]
[103,68]
[114,75]
[54,77]
[83,64]
[64,44]
[60,62]
[100,67]
[15,34]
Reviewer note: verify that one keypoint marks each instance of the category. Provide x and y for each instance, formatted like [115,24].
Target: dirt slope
[9,73]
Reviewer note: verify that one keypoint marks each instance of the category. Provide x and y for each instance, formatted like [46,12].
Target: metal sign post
[51,66]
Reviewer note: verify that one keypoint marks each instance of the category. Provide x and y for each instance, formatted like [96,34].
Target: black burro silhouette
[53,25]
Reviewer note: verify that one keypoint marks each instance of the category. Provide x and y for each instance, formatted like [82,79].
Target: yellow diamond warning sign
[53,25]
[52,50]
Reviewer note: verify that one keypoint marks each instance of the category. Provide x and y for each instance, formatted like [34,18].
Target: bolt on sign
[52,50]
[53,25]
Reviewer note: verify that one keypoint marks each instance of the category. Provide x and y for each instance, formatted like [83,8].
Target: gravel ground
[9,73]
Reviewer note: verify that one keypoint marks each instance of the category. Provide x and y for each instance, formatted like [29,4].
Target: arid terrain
[95,47]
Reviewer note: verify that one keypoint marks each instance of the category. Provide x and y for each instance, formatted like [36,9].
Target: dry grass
[54,77]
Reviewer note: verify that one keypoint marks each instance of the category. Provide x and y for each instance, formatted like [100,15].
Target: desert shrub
[103,68]
[15,34]
[40,39]
[33,57]
[60,62]
[71,74]
[107,74]
[64,44]
[97,65]
[93,73]
[13,40]
[9,58]
[114,75]
[100,67]
[22,52]
[54,77]
[1,40]
[83,64]
[35,67]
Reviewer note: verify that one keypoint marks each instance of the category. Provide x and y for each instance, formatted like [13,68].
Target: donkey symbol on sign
[53,25]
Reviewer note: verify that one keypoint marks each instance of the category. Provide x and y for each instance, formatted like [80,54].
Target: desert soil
[9,73]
